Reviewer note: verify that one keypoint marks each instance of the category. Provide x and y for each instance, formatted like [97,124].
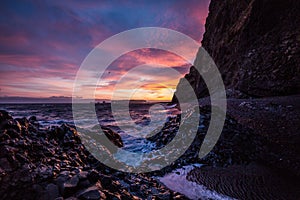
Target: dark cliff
[256,46]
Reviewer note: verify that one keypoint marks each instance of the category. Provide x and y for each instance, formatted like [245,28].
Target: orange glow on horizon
[159,82]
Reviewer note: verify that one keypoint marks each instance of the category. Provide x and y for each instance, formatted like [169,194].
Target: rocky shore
[53,164]
[255,45]
[39,163]
[273,168]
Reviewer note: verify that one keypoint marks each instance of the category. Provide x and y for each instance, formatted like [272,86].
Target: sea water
[49,115]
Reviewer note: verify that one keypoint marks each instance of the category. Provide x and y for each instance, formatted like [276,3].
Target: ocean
[49,115]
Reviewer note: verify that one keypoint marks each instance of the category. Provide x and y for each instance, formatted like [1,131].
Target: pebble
[56,160]
[91,194]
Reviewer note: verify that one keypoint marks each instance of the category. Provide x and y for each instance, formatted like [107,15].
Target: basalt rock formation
[256,46]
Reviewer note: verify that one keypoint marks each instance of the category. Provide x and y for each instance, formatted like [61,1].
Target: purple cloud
[42,44]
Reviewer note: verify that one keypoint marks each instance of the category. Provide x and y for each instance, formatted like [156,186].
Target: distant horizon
[60,100]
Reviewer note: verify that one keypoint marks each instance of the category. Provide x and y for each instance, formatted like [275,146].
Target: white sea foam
[176,181]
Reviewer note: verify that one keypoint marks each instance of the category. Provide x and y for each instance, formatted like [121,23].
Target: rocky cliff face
[197,83]
[256,46]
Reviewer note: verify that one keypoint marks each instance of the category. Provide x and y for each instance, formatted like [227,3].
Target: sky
[43,44]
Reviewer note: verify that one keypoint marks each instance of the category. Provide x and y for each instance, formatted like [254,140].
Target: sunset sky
[43,43]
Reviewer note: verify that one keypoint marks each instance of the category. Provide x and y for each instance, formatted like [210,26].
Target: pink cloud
[42,48]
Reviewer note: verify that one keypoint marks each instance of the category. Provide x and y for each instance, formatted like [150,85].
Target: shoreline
[253,181]
[53,161]
[50,164]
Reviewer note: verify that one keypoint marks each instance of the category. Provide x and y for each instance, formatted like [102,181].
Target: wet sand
[276,120]
[253,181]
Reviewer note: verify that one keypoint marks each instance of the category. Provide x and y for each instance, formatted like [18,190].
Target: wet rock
[70,186]
[5,165]
[32,119]
[4,136]
[84,184]
[93,176]
[4,116]
[51,192]
[83,175]
[256,53]
[71,198]
[23,122]
[38,189]
[165,195]
[113,136]
[13,133]
[57,133]
[42,163]
[21,158]
[91,194]
[195,80]
[106,181]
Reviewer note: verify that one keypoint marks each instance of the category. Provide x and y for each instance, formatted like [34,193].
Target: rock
[21,158]
[51,192]
[91,194]
[83,175]
[93,176]
[38,189]
[5,165]
[4,136]
[84,184]
[113,137]
[165,195]
[32,119]
[255,48]
[13,127]
[37,164]
[67,186]
[112,196]
[13,133]
[71,198]
[106,181]
[23,122]
[60,180]
[57,133]
[193,79]
[4,116]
